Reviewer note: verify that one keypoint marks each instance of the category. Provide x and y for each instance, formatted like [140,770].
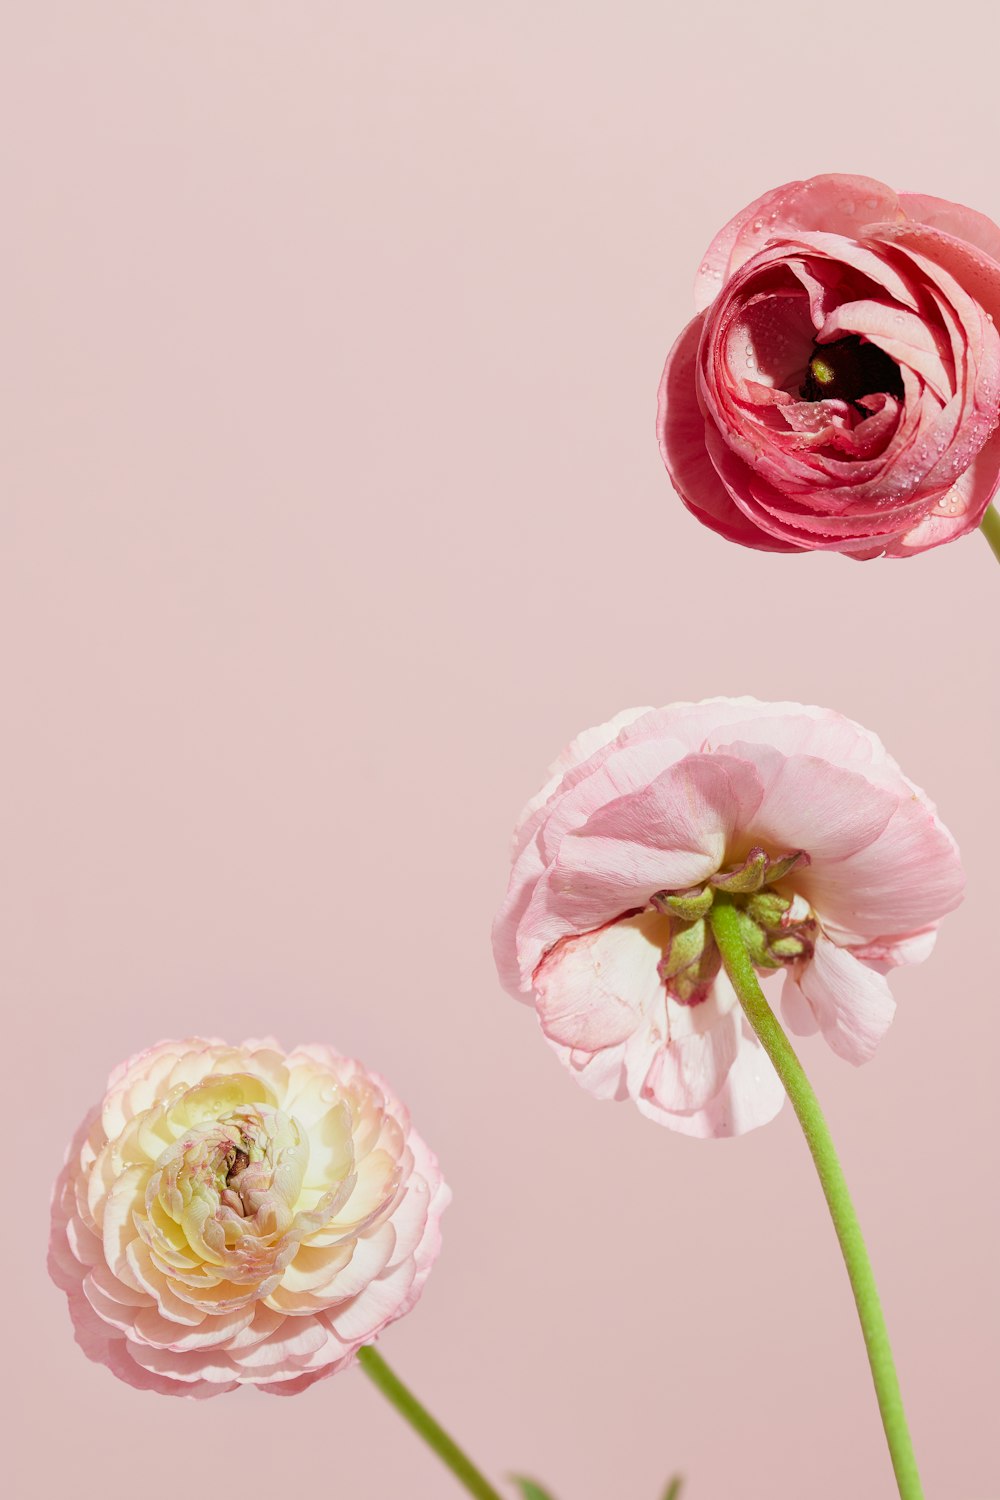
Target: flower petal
[680,426]
[851,1002]
[751,1095]
[812,805]
[907,878]
[593,990]
[671,834]
[796,1011]
[837,202]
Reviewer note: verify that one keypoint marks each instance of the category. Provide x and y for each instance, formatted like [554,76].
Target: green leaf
[673,1489]
[530,1490]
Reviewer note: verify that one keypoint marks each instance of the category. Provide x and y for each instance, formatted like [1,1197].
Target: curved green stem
[423,1423]
[990,527]
[725,925]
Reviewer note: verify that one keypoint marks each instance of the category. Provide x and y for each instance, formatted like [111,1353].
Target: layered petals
[839,386]
[238,1216]
[839,863]
[851,1002]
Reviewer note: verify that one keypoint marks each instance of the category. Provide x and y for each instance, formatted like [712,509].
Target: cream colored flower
[235,1216]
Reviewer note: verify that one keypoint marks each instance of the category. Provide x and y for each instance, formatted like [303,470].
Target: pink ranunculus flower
[839,388]
[232,1216]
[838,864]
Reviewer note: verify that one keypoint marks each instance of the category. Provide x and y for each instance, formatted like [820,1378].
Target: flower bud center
[778,928]
[849,369]
[239,1167]
[238,1160]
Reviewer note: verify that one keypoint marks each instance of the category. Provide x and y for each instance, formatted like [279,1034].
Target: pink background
[331,509]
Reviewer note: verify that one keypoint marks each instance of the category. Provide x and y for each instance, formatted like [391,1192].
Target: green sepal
[688,905]
[687,944]
[779,868]
[788,947]
[530,1490]
[755,938]
[749,877]
[692,984]
[768,908]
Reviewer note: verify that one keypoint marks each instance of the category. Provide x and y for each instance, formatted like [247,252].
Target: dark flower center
[240,1161]
[848,369]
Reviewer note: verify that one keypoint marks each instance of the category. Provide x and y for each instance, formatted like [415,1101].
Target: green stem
[990,526]
[739,967]
[423,1423]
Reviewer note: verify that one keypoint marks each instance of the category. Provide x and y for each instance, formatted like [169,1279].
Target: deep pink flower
[838,863]
[234,1216]
[839,387]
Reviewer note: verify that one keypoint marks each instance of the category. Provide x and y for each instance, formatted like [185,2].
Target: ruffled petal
[680,425]
[836,202]
[852,1003]
[907,878]
[593,990]
[809,804]
[668,835]
[751,1096]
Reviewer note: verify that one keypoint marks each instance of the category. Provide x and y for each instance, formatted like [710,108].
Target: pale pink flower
[839,388]
[235,1216]
[839,865]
